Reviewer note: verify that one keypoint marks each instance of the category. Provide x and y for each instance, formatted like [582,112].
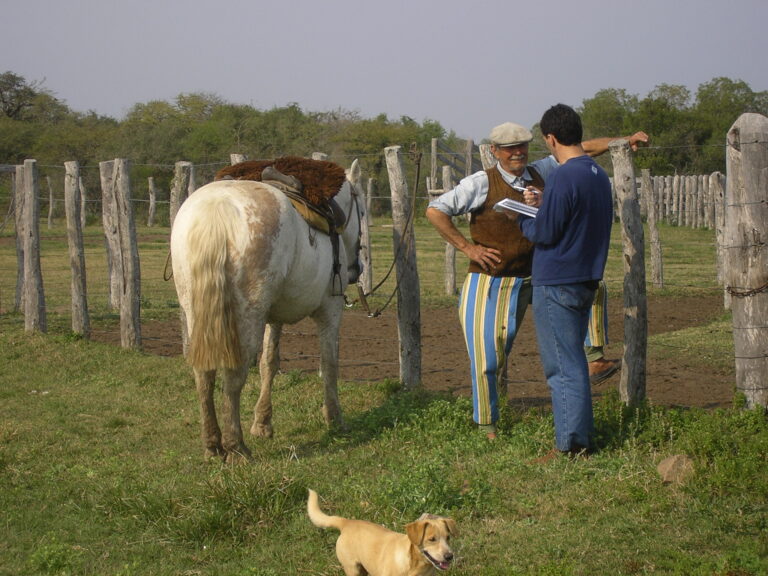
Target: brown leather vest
[495,230]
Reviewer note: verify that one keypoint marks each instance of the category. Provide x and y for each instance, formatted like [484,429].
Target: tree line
[688,131]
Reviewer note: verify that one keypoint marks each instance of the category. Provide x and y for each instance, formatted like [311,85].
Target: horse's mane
[321,179]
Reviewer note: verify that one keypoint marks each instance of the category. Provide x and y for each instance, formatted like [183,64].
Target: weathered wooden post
[51,202]
[470,146]
[81,323]
[111,238]
[633,373]
[746,246]
[152,201]
[366,274]
[83,202]
[652,209]
[678,187]
[718,198]
[19,199]
[179,187]
[34,295]
[366,264]
[408,292]
[450,249]
[486,156]
[130,286]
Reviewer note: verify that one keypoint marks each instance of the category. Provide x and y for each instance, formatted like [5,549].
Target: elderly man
[497,290]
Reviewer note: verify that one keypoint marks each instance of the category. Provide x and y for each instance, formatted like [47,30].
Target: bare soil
[369,352]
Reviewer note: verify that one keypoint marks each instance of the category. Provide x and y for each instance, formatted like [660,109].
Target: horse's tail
[214,340]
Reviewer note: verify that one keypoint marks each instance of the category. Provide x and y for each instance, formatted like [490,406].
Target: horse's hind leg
[211,434]
[268,367]
[233,381]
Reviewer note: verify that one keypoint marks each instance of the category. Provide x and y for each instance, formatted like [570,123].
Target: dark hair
[564,123]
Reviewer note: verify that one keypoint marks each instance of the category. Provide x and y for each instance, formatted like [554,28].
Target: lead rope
[362,296]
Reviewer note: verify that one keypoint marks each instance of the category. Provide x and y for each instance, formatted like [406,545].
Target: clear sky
[467,64]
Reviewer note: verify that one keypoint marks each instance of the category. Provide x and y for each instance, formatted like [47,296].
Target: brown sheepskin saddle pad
[318,180]
[310,185]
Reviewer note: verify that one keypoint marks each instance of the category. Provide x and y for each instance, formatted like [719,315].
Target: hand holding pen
[531,195]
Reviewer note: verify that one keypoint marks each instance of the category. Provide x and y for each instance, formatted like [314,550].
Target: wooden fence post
[152,201]
[408,295]
[746,239]
[633,374]
[130,286]
[486,156]
[677,200]
[652,209]
[34,295]
[111,240]
[51,202]
[718,198]
[180,187]
[21,236]
[83,202]
[81,323]
[366,264]
[450,249]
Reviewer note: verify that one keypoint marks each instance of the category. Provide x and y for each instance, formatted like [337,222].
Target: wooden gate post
[632,385]
[408,292]
[81,323]
[746,252]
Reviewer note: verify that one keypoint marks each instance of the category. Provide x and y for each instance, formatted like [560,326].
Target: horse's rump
[214,339]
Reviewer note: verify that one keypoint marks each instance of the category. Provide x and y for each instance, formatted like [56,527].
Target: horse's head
[352,201]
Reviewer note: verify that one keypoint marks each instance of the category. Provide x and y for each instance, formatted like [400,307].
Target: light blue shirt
[470,193]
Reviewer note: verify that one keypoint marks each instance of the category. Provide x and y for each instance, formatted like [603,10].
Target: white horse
[245,263]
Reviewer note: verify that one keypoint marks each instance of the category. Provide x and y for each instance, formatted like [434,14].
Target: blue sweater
[572,229]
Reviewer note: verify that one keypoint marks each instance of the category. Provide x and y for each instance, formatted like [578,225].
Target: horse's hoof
[240,456]
[213,453]
[262,430]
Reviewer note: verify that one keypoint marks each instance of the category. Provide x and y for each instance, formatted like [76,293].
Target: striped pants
[491,310]
[597,333]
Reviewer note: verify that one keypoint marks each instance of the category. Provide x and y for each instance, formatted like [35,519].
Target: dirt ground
[369,352]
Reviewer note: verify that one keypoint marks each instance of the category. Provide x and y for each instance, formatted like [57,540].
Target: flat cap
[510,134]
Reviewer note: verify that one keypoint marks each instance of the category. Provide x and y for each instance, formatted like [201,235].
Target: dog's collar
[442,566]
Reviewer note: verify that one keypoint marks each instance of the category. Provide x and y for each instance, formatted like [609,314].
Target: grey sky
[467,64]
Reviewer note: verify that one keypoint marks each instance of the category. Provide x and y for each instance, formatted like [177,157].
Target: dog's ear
[450,525]
[416,530]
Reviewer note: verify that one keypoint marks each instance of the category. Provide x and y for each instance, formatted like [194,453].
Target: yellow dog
[367,548]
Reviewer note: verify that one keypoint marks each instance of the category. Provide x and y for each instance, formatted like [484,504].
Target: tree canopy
[687,132]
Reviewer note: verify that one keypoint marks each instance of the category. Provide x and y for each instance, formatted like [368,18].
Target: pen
[524,189]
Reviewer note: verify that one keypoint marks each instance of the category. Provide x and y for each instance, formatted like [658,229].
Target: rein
[362,296]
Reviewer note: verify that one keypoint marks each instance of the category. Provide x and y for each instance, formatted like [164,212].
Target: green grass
[101,469]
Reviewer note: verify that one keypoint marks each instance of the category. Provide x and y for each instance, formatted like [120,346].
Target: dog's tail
[319,518]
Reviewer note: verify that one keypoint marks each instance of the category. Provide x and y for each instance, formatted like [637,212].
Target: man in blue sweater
[571,234]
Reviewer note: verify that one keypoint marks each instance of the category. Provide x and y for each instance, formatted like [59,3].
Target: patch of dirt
[369,352]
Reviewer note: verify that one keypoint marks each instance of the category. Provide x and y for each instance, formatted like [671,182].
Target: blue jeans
[561,315]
